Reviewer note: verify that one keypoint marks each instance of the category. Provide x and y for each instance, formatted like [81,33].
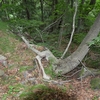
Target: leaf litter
[22,57]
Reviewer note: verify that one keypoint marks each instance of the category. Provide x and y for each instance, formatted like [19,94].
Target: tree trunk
[71,62]
[42,10]
[27,10]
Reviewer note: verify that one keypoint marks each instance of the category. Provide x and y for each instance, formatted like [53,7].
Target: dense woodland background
[47,23]
[50,23]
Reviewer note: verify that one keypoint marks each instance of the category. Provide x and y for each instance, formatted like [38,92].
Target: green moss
[95,83]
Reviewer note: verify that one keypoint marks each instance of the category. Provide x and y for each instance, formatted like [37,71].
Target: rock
[3,75]
[3,61]
[2,57]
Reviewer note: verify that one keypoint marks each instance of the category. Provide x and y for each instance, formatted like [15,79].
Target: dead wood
[66,65]
[71,62]
[40,55]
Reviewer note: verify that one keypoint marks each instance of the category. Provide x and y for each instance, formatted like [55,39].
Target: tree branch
[52,24]
[47,54]
[41,67]
[72,31]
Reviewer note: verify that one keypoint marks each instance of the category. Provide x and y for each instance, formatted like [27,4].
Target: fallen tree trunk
[66,65]
[46,53]
[71,62]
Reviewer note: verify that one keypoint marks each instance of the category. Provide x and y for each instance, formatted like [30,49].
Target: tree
[71,62]
[66,65]
[32,15]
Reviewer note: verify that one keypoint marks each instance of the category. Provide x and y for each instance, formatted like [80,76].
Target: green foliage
[3,26]
[30,90]
[60,7]
[96,9]
[79,37]
[52,47]
[51,43]
[57,53]
[95,98]
[49,70]
[13,89]
[42,92]
[22,25]
[95,83]
[25,68]
[89,20]
[93,63]
[95,42]
[6,45]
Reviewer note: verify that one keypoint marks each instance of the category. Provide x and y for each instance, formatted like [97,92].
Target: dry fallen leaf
[18,78]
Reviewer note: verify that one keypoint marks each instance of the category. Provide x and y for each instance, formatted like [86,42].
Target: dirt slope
[20,67]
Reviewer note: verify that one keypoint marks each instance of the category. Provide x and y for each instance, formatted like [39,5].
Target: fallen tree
[71,62]
[65,65]
[46,53]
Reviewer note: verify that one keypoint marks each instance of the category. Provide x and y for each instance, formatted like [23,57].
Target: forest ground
[20,66]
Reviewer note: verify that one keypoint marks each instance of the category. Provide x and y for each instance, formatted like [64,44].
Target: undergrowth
[3,26]
[42,92]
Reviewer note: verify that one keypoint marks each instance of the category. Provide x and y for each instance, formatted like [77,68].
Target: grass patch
[95,83]
[25,68]
[13,90]
[6,45]
[8,42]
[3,26]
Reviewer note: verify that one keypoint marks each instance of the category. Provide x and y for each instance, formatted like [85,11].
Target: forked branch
[40,55]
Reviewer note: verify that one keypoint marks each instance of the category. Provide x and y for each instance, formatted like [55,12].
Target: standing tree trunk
[71,62]
[27,10]
[42,11]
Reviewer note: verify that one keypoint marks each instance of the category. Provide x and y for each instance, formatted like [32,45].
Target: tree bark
[71,62]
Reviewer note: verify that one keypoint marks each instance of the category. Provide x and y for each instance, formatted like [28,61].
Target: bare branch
[47,54]
[40,35]
[42,69]
[52,24]
[72,32]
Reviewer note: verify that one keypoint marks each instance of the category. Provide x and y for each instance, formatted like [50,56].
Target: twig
[51,25]
[81,79]
[37,67]
[57,82]
[72,32]
[81,82]
[86,68]
[40,35]
[72,74]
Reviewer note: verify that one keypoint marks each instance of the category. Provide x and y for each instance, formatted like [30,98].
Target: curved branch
[72,32]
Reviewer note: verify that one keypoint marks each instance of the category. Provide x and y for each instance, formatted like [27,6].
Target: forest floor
[20,67]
